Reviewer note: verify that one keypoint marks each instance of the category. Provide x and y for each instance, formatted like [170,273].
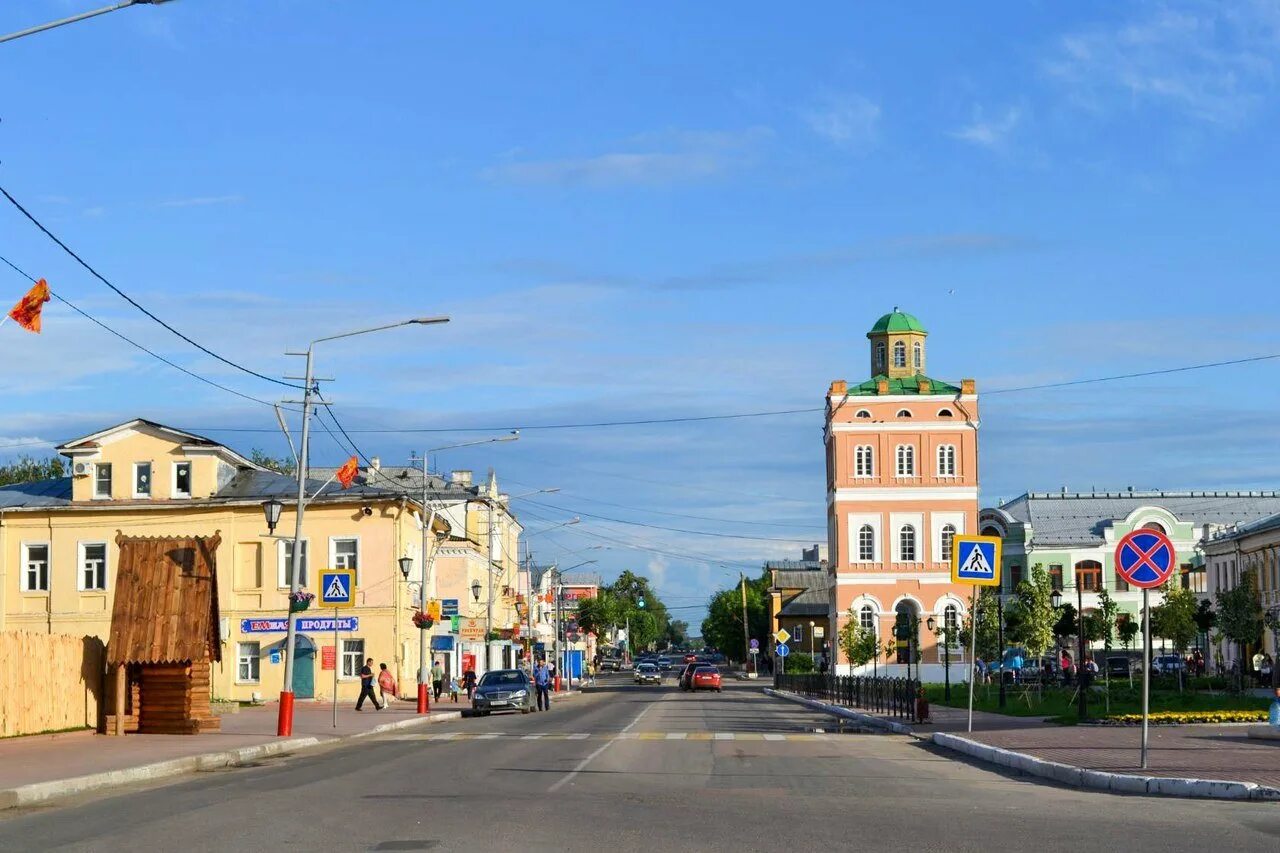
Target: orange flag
[27,312]
[347,473]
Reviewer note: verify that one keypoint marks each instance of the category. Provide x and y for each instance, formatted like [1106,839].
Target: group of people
[387,689]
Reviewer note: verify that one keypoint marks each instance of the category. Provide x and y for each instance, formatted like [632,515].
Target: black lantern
[406,563]
[272,509]
[475,590]
[1056,598]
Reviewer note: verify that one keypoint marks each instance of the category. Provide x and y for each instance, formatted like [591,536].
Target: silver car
[504,690]
[647,673]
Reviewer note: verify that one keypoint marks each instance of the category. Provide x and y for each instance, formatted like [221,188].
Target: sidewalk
[44,767]
[1217,761]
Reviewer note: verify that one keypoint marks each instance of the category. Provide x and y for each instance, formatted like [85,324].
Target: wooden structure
[52,682]
[164,635]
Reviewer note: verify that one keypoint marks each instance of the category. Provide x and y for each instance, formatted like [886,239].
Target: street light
[812,625]
[946,651]
[475,590]
[123,4]
[272,509]
[406,563]
[284,722]
[1082,702]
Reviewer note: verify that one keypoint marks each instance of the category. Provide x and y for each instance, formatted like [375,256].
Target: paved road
[643,769]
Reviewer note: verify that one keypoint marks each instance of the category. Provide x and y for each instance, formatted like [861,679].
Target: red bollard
[557,687]
[424,702]
[284,722]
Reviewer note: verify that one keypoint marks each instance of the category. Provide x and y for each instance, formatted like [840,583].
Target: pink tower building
[902,482]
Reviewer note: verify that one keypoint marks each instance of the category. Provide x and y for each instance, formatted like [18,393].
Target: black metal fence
[894,697]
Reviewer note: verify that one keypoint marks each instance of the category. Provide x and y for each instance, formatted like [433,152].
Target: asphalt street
[627,768]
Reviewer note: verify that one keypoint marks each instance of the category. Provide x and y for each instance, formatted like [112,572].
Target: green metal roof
[896,321]
[907,385]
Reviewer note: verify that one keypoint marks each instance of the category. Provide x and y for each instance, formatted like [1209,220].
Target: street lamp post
[946,651]
[1082,708]
[1000,642]
[284,722]
[123,4]
[812,625]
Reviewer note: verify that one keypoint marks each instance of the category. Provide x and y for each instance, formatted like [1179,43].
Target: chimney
[882,386]
[968,387]
[375,463]
[839,388]
[460,478]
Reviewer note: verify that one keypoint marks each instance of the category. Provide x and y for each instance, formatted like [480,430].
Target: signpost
[337,590]
[975,560]
[783,650]
[1146,559]
[780,637]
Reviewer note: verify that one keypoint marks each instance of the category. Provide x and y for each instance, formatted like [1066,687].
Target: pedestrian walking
[366,686]
[437,679]
[469,682]
[542,682]
[1257,667]
[386,685]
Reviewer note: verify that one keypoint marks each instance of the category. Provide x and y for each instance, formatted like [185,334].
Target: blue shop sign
[306,625]
[448,607]
[442,644]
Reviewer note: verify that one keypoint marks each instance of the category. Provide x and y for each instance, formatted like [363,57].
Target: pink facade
[902,480]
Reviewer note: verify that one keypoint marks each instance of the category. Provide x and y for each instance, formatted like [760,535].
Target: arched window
[864,462]
[867,618]
[907,620]
[866,543]
[880,355]
[907,544]
[948,538]
[1089,575]
[863,413]
[899,354]
[1156,526]
[904,413]
[945,413]
[991,531]
[906,460]
[946,460]
[951,618]
[917,355]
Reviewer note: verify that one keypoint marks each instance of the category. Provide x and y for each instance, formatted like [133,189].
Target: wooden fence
[49,682]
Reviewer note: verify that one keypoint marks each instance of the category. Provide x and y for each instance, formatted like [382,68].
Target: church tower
[902,482]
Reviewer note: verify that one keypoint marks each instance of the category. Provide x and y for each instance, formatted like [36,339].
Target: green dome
[896,321]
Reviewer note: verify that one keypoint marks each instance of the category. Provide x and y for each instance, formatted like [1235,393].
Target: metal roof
[40,493]
[813,579]
[1080,519]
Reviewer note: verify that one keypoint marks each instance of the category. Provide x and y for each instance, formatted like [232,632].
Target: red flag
[347,473]
[27,312]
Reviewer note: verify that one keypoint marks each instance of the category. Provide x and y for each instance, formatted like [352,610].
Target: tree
[1240,615]
[988,647]
[28,469]
[281,464]
[677,633]
[1127,629]
[1106,613]
[722,629]
[1066,624]
[1205,620]
[1034,615]
[599,614]
[1175,619]
[799,663]
[859,644]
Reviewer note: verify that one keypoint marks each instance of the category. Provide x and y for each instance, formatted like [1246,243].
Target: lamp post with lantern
[1082,707]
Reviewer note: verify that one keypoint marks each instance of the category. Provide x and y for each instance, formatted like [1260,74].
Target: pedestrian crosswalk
[642,736]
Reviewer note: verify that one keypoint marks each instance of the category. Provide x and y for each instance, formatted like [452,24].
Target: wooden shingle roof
[166,600]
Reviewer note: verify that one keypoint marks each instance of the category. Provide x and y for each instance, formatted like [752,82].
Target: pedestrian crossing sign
[975,560]
[337,588]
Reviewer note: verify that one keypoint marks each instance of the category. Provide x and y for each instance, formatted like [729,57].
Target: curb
[835,710]
[1099,780]
[59,789]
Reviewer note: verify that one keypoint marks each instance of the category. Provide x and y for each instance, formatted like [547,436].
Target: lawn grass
[1055,703]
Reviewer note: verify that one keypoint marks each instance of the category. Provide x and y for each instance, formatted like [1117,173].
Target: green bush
[799,663]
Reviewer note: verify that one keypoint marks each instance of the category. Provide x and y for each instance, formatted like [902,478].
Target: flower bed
[1175,717]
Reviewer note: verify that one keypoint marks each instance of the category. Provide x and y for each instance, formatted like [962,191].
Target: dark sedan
[504,690]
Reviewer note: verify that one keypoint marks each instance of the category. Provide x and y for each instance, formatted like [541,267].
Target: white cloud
[992,133]
[688,156]
[1210,62]
[202,201]
[849,120]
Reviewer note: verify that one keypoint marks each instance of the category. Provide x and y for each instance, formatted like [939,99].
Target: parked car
[503,690]
[1119,667]
[647,673]
[1167,665]
[686,675]
[705,678]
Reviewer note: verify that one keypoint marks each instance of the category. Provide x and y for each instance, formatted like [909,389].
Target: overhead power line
[126,297]
[661,527]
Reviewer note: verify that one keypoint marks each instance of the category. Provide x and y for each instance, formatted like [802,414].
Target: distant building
[902,482]
[799,602]
[1228,555]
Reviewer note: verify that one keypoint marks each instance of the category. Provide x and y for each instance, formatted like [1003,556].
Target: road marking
[530,737]
[779,737]
[724,735]
[677,735]
[579,737]
[584,762]
[652,736]
[458,737]
[488,736]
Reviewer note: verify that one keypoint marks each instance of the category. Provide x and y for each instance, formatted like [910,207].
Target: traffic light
[640,604]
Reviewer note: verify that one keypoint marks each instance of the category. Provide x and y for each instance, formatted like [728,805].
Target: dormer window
[945,413]
[142,479]
[182,479]
[102,481]
[863,413]
[904,413]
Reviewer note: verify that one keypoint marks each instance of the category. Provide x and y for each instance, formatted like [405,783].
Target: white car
[647,673]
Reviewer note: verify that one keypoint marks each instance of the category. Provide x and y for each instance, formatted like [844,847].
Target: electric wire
[662,527]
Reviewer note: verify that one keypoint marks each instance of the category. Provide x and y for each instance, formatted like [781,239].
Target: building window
[797,632]
[867,618]
[102,480]
[1122,585]
[863,413]
[904,413]
[951,619]
[352,658]
[1194,579]
[906,460]
[1015,577]
[93,566]
[864,461]
[880,356]
[286,564]
[866,543]
[182,479]
[1089,575]
[1156,526]
[948,539]
[917,355]
[945,413]
[248,658]
[1055,576]
[345,554]
[899,354]
[907,544]
[142,479]
[35,568]
[946,460]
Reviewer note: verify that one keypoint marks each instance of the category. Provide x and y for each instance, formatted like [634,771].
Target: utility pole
[746,630]
[424,670]
[488,631]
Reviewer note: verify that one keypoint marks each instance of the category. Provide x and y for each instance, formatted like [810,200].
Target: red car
[705,678]
[690,658]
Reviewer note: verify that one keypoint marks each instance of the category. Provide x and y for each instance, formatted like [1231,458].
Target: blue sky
[669,209]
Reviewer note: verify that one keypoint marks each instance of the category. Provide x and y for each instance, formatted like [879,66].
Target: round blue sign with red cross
[1145,558]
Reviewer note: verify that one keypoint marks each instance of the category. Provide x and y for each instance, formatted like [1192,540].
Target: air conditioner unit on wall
[82,469]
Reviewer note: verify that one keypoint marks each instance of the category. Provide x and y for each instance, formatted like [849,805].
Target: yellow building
[58,555]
